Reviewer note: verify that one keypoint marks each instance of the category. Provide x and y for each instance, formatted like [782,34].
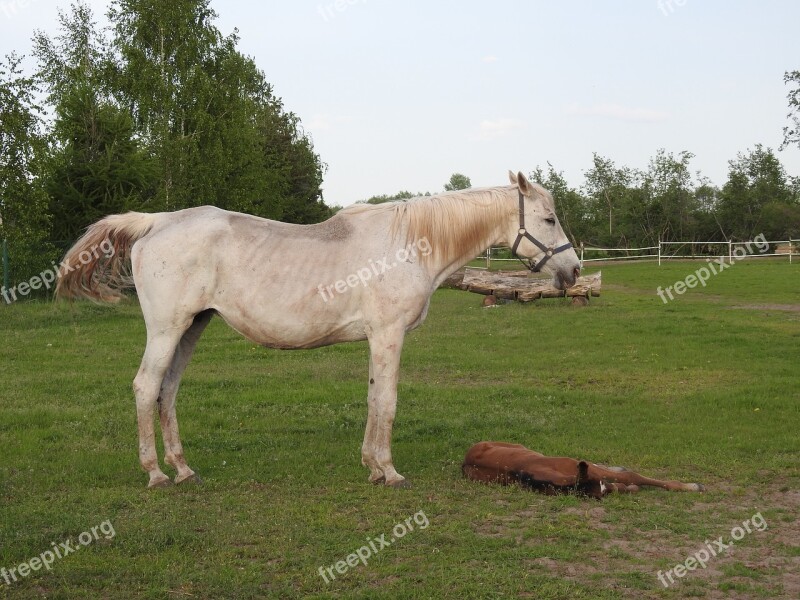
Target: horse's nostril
[577,272]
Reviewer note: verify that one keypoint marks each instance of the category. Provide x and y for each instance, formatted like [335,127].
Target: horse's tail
[96,267]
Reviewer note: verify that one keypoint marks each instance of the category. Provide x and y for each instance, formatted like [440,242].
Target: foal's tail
[96,267]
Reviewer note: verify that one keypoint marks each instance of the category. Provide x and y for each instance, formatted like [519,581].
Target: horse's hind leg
[158,355]
[631,478]
[173,449]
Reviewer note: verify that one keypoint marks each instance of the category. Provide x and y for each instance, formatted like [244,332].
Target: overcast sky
[398,95]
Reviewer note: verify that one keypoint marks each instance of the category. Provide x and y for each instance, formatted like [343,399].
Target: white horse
[366,273]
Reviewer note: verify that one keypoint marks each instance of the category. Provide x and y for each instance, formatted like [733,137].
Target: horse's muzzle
[566,278]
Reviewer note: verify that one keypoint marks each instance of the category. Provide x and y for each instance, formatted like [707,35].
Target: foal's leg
[157,359]
[173,450]
[631,478]
[376,453]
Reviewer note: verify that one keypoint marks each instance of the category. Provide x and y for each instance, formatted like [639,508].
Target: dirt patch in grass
[781,307]
[627,559]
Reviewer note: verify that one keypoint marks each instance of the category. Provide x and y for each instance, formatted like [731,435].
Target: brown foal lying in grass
[499,462]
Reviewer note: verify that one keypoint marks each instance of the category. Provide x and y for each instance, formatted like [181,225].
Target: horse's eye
[550,221]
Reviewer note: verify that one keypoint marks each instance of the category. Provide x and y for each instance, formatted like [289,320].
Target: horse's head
[536,235]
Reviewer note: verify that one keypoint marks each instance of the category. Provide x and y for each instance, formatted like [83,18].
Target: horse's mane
[455,224]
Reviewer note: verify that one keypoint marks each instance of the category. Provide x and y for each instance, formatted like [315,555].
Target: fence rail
[660,252]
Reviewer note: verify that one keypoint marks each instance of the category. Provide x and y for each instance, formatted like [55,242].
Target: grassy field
[704,388]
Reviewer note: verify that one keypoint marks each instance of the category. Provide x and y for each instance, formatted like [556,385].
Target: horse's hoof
[378,481]
[193,478]
[697,487]
[159,483]
[400,484]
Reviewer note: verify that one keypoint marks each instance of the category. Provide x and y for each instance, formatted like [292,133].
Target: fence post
[488,258]
[659,252]
[730,252]
[581,255]
[5,265]
[791,249]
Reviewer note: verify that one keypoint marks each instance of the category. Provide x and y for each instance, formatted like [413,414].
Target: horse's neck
[438,272]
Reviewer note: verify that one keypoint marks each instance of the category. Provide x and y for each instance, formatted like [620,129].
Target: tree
[791,134]
[96,165]
[23,203]
[99,168]
[77,55]
[706,201]
[457,182]
[195,99]
[670,207]
[755,179]
[611,198]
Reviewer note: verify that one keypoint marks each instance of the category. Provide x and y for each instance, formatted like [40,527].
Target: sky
[400,95]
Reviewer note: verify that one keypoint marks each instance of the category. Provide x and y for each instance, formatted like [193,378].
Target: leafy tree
[611,196]
[99,169]
[457,182]
[23,203]
[755,179]
[781,220]
[96,167]
[706,200]
[670,208]
[791,133]
[195,98]
[77,55]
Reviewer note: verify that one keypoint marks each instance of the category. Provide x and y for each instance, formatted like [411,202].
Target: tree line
[617,206]
[622,207]
[158,112]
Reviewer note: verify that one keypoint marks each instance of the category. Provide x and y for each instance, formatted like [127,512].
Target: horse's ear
[511,177]
[523,184]
[583,472]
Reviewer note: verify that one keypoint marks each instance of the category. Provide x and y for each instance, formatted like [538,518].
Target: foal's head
[542,224]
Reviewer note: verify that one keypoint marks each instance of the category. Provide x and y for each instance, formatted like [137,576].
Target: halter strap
[549,252]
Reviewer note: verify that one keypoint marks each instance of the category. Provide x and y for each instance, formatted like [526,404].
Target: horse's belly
[287,334]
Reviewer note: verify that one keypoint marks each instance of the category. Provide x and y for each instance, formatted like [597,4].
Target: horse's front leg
[376,453]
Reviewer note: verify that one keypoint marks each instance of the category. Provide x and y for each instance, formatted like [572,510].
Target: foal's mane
[455,224]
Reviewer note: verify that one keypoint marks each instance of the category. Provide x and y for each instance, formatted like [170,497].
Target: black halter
[531,264]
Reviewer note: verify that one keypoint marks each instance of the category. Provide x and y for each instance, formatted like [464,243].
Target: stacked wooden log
[521,285]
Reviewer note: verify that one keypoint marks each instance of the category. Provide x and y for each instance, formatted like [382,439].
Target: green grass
[704,388]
